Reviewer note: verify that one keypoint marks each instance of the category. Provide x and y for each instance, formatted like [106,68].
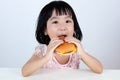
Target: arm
[33,65]
[89,60]
[92,62]
[36,62]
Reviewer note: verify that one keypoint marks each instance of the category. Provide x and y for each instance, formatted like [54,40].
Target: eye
[54,22]
[68,21]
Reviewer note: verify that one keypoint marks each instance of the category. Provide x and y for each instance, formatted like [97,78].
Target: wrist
[48,57]
[81,53]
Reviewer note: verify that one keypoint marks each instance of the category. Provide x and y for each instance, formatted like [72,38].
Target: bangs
[62,11]
[61,8]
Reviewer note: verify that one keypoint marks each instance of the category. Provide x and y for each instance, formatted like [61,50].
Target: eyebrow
[55,17]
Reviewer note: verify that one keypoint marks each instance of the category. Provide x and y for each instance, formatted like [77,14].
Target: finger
[54,41]
[55,38]
[72,40]
[69,39]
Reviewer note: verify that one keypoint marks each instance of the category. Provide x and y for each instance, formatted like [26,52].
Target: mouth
[62,36]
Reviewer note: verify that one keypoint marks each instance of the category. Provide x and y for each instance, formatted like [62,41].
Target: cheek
[51,32]
[71,31]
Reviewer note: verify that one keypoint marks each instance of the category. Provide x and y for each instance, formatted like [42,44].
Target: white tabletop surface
[70,74]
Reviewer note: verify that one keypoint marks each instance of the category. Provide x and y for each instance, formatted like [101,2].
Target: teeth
[65,35]
[62,36]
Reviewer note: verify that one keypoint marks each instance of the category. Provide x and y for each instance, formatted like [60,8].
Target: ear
[45,32]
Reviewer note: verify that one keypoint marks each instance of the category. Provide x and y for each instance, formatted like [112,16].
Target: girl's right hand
[51,47]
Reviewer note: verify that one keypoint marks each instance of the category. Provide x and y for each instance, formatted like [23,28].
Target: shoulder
[75,56]
[40,49]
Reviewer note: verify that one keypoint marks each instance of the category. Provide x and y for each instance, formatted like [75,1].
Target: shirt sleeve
[40,50]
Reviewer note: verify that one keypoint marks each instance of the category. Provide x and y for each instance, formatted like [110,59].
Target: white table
[70,74]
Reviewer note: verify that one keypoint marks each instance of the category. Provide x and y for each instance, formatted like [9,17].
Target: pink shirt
[54,64]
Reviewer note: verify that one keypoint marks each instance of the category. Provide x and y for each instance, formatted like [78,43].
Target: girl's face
[60,25]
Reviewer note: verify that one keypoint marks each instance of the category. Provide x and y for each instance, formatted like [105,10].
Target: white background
[99,21]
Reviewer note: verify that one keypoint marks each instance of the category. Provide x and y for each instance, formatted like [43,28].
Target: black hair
[61,8]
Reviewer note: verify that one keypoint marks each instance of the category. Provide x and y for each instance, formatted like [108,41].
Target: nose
[62,27]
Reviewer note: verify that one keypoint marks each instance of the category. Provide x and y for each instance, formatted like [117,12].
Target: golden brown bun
[66,48]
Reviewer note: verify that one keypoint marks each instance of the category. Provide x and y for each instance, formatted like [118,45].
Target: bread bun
[66,48]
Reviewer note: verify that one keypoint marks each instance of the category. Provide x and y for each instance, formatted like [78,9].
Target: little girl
[57,19]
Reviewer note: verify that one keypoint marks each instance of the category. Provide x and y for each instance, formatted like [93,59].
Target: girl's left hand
[90,61]
[77,43]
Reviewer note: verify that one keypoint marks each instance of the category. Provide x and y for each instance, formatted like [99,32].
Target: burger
[66,48]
